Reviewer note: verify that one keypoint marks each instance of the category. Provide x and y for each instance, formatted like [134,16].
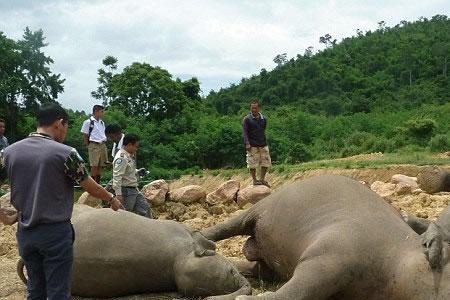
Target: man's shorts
[258,156]
[98,154]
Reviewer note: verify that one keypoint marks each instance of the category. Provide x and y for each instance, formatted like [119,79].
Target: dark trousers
[47,251]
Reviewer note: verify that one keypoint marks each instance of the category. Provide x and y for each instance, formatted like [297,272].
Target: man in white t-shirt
[94,138]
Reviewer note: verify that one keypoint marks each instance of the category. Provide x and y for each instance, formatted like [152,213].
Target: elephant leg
[318,278]
[419,225]
[242,224]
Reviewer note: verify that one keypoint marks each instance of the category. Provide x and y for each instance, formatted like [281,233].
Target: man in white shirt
[94,138]
[115,134]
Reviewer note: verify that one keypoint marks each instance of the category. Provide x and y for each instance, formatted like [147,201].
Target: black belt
[92,142]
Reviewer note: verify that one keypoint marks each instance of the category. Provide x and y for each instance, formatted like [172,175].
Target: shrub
[439,143]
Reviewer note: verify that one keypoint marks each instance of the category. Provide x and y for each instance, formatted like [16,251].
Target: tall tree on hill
[280,59]
[442,51]
[148,91]
[104,77]
[26,80]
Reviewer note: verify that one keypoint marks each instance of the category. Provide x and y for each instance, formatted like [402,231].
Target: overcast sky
[219,42]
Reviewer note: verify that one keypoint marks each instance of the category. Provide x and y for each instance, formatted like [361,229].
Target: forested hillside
[391,68]
[386,90]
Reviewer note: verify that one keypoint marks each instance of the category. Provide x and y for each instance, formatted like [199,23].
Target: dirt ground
[420,204]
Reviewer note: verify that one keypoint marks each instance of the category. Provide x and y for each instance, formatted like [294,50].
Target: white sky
[219,42]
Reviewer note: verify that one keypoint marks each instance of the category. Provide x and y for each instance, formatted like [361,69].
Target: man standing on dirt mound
[43,172]
[254,127]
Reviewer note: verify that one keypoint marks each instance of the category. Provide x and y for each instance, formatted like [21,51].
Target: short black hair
[113,128]
[255,102]
[97,107]
[49,113]
[130,138]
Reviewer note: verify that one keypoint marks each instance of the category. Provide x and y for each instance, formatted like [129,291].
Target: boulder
[89,200]
[405,180]
[252,194]
[188,194]
[403,189]
[225,193]
[155,192]
[5,201]
[383,189]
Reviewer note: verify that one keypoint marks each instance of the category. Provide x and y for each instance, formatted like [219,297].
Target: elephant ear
[432,240]
[203,246]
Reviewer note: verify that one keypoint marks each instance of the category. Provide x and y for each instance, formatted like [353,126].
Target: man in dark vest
[43,172]
[253,128]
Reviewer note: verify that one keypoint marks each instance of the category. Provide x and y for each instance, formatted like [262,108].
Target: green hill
[391,68]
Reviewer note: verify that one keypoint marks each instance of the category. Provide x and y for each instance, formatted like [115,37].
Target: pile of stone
[192,201]
[405,193]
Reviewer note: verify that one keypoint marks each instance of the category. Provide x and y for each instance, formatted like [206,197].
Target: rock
[156,192]
[226,193]
[417,191]
[188,194]
[5,201]
[403,189]
[89,200]
[383,189]
[406,180]
[252,194]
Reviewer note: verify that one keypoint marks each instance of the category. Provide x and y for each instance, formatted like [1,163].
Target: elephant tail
[20,271]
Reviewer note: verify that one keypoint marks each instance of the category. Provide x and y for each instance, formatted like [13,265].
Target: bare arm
[97,191]
[245,133]
[85,139]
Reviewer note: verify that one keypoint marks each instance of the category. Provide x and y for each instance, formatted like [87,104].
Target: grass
[416,158]
[385,161]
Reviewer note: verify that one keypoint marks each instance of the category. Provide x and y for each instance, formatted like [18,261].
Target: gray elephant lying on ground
[120,253]
[332,238]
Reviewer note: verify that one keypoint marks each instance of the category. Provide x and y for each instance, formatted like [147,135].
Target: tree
[144,90]
[26,80]
[308,52]
[104,77]
[442,51]
[327,39]
[280,59]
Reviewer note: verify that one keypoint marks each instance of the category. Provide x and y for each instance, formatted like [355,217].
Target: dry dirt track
[420,204]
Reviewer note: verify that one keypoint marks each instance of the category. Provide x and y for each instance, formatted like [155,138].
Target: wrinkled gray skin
[434,235]
[121,253]
[331,238]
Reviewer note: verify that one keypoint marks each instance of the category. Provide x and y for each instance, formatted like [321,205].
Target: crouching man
[125,182]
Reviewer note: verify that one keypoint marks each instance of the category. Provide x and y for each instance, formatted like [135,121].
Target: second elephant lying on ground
[120,253]
[331,238]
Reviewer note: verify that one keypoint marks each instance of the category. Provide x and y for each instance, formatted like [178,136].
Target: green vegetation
[382,91]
